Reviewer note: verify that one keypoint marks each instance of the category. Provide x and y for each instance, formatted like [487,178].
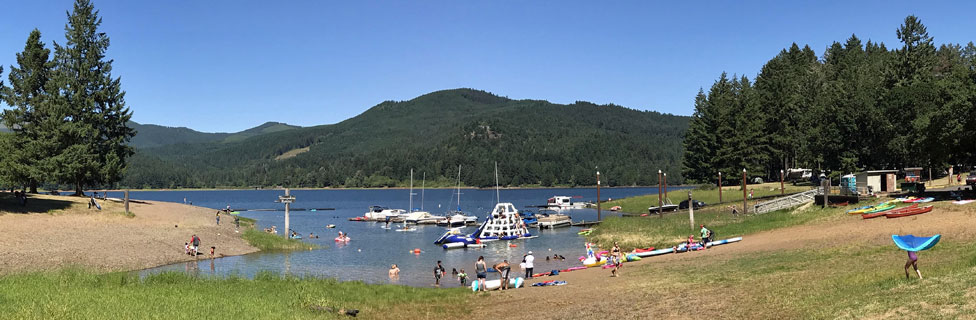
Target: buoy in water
[513,245]
[416,251]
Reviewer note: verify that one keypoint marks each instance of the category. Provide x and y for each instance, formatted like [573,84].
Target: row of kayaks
[888,208]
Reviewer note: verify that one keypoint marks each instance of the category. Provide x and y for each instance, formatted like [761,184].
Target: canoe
[910,212]
[929,199]
[878,214]
[497,283]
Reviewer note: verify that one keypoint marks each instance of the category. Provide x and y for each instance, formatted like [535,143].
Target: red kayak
[910,212]
[885,213]
[638,250]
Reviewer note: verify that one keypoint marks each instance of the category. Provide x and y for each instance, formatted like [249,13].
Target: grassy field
[272,242]
[72,294]
[660,232]
[730,195]
[850,282]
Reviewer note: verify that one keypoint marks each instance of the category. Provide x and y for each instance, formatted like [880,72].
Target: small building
[876,181]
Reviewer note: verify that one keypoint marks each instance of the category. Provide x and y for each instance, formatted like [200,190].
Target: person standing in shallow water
[438,273]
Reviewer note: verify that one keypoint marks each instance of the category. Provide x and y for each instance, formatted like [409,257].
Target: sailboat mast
[410,208]
[423,186]
[498,195]
[459,189]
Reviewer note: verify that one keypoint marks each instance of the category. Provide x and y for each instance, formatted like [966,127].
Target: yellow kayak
[863,210]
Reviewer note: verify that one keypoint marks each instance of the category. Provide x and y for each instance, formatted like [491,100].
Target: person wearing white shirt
[528,264]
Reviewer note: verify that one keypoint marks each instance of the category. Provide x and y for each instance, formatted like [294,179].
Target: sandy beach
[61,231]
[592,292]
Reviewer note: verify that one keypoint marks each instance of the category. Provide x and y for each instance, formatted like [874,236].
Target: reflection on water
[373,250]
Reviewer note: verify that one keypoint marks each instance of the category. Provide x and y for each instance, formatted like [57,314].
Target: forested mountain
[858,106]
[151,135]
[533,141]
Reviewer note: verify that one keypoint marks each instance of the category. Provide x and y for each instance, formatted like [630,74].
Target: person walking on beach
[616,255]
[481,271]
[528,260]
[438,273]
[195,244]
[503,270]
[218,217]
[706,236]
[237,223]
[912,262]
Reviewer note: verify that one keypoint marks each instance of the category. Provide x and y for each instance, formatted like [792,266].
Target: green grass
[709,195]
[667,231]
[854,281]
[271,242]
[73,294]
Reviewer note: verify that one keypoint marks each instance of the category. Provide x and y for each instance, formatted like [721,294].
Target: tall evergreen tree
[28,149]
[699,142]
[93,137]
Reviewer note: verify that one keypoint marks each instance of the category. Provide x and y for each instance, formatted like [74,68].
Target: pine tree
[93,139]
[29,148]
[699,142]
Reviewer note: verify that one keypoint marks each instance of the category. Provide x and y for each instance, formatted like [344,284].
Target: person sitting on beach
[463,277]
[186,248]
[691,241]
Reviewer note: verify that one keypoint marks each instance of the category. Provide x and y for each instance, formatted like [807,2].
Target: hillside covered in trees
[534,142]
[858,106]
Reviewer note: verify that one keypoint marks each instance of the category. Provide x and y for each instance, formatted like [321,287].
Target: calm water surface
[372,250]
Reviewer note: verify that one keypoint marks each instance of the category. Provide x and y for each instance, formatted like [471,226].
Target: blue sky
[231,65]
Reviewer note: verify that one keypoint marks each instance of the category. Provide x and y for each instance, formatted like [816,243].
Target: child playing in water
[463,277]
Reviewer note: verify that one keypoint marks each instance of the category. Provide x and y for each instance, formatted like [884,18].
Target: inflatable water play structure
[495,284]
[503,223]
[912,243]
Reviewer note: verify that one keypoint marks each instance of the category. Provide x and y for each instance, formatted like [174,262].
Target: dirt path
[593,292]
[107,240]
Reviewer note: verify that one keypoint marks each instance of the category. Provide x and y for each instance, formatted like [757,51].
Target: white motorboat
[378,213]
[457,220]
[422,217]
[564,202]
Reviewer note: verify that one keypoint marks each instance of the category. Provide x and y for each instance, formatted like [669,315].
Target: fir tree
[92,139]
[29,148]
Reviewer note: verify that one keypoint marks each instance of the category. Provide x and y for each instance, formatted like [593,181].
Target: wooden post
[287,205]
[598,217]
[745,199]
[930,175]
[826,190]
[691,210]
[719,186]
[660,199]
[126,201]
[782,187]
[665,184]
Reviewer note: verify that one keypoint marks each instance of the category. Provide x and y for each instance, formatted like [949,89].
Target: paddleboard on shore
[495,284]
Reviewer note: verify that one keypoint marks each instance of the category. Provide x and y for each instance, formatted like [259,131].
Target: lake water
[368,256]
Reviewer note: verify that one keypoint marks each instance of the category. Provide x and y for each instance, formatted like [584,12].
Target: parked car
[684,204]
[971,179]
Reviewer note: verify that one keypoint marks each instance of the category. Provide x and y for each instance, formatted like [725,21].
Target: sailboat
[421,216]
[456,218]
[405,227]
